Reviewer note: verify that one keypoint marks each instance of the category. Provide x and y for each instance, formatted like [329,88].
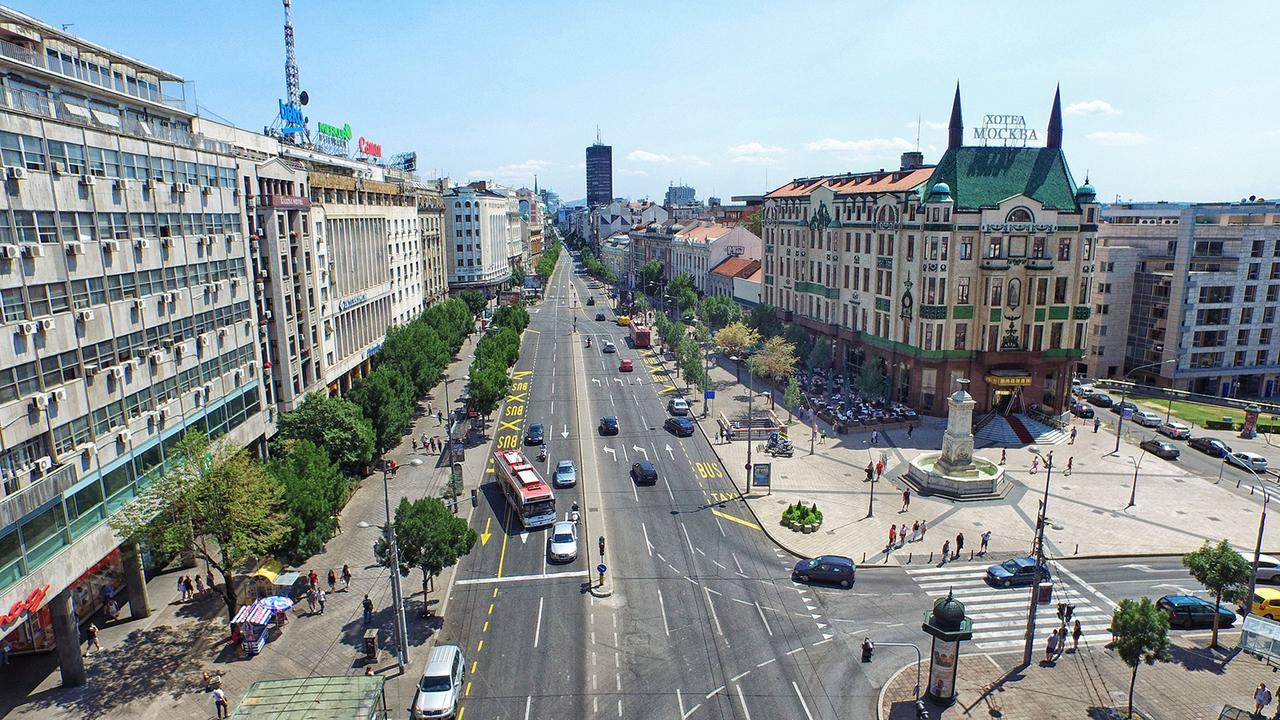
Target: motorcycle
[542,454]
[779,446]
[588,342]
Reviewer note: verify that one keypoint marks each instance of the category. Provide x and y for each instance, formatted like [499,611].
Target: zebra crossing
[1000,614]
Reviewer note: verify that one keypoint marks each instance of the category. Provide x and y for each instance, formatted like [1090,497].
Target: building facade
[1200,292]
[702,245]
[130,316]
[477,238]
[680,195]
[1111,297]
[599,174]
[720,281]
[435,276]
[977,268]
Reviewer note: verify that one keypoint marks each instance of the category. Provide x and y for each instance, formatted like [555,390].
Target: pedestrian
[424,439]
[910,429]
[875,437]
[986,538]
[1076,632]
[1002,456]
[1261,698]
[311,600]
[923,528]
[822,436]
[879,469]
[320,600]
[1070,460]
[1096,423]
[1035,465]
[182,589]
[915,531]
[893,535]
[313,578]
[430,408]
[440,418]
[871,471]
[333,580]
[346,577]
[902,535]
[959,543]
[337,523]
[199,586]
[368,610]
[208,579]
[906,499]
[113,607]
[1071,610]
[220,703]
[1051,649]
[91,633]
[946,551]
[415,444]
[1073,435]
[191,588]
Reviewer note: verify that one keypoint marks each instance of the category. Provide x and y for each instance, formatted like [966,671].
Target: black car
[1160,448]
[680,426]
[1098,399]
[643,473]
[1210,446]
[826,568]
[591,300]
[1120,407]
[534,435]
[599,316]
[1017,571]
[609,425]
[1190,611]
[1081,410]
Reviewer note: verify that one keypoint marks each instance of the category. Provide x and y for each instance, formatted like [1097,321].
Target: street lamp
[1257,548]
[1041,522]
[1124,395]
[397,596]
[1133,492]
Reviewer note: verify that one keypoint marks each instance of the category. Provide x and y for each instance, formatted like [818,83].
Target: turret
[1055,121]
[955,129]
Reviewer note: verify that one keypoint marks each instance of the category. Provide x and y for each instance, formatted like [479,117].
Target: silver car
[441,684]
[563,545]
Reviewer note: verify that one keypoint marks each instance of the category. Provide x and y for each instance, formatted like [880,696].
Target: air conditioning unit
[202,340]
[235,282]
[75,248]
[58,395]
[179,351]
[38,402]
[92,369]
[205,189]
[110,246]
[163,414]
[33,250]
[141,243]
[44,463]
[27,328]
[16,173]
[87,450]
[47,324]
[222,333]
[120,184]
[166,241]
[231,237]
[58,168]
[181,187]
[123,437]
[154,358]
[8,251]
[117,372]
[88,180]
[139,304]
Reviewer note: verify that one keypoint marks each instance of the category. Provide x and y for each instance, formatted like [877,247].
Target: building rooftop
[11,26]
[736,267]
[705,232]
[857,183]
[981,177]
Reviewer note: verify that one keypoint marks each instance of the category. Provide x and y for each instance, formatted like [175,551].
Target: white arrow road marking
[1139,568]
[612,452]
[671,452]
[524,536]
[639,449]
[619,381]
[565,434]
[595,380]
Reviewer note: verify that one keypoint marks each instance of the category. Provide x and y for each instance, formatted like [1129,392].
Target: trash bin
[1044,593]
[371,645]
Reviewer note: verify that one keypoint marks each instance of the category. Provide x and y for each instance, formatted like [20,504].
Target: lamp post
[751,423]
[1041,522]
[397,598]
[1257,548]
[1133,492]
[1124,396]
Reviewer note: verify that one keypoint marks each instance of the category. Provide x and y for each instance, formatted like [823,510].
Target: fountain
[955,472]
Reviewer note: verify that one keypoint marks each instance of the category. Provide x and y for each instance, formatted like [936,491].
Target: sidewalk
[153,668]
[1089,512]
[1193,686]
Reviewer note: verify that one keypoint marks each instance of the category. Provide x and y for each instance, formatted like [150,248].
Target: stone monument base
[981,480]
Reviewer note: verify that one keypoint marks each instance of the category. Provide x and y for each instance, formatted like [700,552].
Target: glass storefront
[88,594]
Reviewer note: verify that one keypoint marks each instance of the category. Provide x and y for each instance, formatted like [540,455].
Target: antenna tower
[293,88]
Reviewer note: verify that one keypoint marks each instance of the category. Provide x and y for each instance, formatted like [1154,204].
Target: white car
[1248,461]
[1175,430]
[678,406]
[1148,418]
[563,545]
[566,474]
[441,683]
[1268,567]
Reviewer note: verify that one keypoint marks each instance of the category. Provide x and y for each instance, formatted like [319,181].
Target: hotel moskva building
[977,268]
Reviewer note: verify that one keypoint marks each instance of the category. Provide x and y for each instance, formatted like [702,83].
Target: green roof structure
[337,697]
[984,176]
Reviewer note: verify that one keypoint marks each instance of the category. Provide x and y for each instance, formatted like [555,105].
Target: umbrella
[277,603]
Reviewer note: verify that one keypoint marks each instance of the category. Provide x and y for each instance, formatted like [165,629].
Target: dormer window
[1019,215]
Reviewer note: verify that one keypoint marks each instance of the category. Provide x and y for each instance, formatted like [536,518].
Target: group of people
[316,595]
[898,534]
[429,443]
[190,588]
[1057,643]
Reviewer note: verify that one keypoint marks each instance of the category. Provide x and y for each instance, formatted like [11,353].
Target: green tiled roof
[985,176]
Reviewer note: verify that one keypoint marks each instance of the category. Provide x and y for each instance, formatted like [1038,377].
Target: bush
[802,514]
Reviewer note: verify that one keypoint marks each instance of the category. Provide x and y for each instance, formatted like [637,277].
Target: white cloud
[754,148]
[928,125]
[1091,107]
[653,157]
[1110,137]
[512,172]
[629,171]
[864,147]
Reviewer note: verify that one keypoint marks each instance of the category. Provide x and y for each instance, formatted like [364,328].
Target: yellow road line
[468,688]
[490,608]
[503,557]
[734,518]
[486,626]
[460,711]
[480,646]
[474,663]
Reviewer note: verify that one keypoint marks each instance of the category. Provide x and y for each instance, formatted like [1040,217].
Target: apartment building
[129,316]
[477,238]
[702,245]
[435,276]
[1201,291]
[977,268]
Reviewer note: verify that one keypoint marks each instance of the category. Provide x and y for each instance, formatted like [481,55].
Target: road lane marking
[733,518]
[537,631]
[739,676]
[803,704]
[793,652]
[713,692]
[758,609]
[738,564]
[662,607]
[743,702]
[766,662]
[687,540]
[528,705]
[648,545]
[720,527]
[712,608]
[680,703]
[522,578]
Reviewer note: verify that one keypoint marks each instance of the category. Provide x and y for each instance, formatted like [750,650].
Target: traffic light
[921,713]
[475,497]
[601,543]
[868,647]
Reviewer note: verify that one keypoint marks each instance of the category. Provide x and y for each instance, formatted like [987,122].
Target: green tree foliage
[819,355]
[416,351]
[755,223]
[489,385]
[764,319]
[386,398]
[453,320]
[777,359]
[547,261]
[736,338]
[429,538]
[1141,634]
[651,277]
[1223,572]
[641,304]
[475,300]
[871,380]
[518,275]
[335,424]
[801,338]
[595,268]
[213,500]
[314,491]
[791,396]
[720,311]
[511,316]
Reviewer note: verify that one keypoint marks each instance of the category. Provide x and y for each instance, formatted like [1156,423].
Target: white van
[441,684]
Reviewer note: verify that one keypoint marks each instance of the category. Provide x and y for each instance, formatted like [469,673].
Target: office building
[599,173]
[680,195]
[478,238]
[1193,296]
[701,245]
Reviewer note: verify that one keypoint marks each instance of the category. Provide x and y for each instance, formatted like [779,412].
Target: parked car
[599,316]
[1123,405]
[1248,461]
[1266,603]
[534,435]
[1209,446]
[826,568]
[1146,418]
[609,347]
[1099,399]
[1081,410]
[591,300]
[441,683]
[1268,567]
[679,426]
[563,544]
[1160,448]
[1017,571]
[566,474]
[625,365]
[643,473]
[609,425]
[1175,430]
[1190,611]
[678,406]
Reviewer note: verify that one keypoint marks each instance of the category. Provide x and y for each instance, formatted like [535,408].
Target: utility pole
[751,423]
[1041,522]
[397,598]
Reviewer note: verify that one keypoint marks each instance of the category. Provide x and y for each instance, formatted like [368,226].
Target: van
[441,683]
[1266,603]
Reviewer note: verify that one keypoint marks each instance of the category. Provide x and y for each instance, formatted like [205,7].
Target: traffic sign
[709,394]
[601,568]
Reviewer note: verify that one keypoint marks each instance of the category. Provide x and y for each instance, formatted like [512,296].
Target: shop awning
[256,613]
[1008,378]
[269,570]
[287,579]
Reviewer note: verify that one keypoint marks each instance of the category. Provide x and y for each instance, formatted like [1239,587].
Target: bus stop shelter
[337,697]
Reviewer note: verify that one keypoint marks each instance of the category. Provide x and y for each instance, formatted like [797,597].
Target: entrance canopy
[1007,378]
[339,697]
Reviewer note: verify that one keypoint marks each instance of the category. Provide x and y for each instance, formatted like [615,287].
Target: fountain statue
[955,472]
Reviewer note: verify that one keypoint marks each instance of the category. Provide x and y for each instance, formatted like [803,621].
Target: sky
[1163,100]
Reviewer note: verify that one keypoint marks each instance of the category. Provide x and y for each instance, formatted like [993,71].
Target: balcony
[994,263]
[1040,263]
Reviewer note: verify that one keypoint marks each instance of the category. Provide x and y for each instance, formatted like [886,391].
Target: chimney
[912,159]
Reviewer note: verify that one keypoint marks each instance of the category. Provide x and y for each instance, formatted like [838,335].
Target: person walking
[1070,460]
[875,437]
[1261,698]
[333,580]
[440,418]
[906,500]
[1002,456]
[923,528]
[91,639]
[346,577]
[910,429]
[1051,648]
[313,578]
[915,531]
[1097,422]
[415,444]
[893,535]
[871,471]
[902,535]
[946,551]
[1073,435]
[1076,632]
[320,600]
[368,610]
[879,469]
[311,600]
[199,586]
[182,588]
[424,438]
[959,544]
[1035,464]
[220,708]
[986,538]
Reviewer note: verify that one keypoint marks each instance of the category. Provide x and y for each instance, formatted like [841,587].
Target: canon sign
[369,148]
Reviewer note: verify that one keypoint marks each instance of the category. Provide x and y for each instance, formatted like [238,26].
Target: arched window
[1019,215]
[887,214]
[1014,296]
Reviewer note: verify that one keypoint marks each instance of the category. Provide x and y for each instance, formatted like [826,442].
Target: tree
[385,396]
[720,311]
[650,277]
[314,490]
[791,396]
[214,500]
[641,304]
[517,276]
[764,319]
[735,338]
[1141,634]
[819,355]
[512,316]
[475,300]
[777,359]
[798,336]
[429,538]
[755,223]
[871,379]
[1222,571]
[489,385]
[335,424]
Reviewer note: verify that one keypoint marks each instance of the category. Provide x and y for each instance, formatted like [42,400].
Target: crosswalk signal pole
[1033,605]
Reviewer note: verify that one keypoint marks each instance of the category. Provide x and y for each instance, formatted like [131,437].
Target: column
[66,633]
[135,581]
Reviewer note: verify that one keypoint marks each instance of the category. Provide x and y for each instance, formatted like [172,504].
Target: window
[1037,247]
[995,248]
[18,381]
[1064,248]
[1042,291]
[1059,290]
[135,166]
[966,248]
[70,156]
[60,368]
[22,151]
[87,292]
[997,290]
[962,291]
[962,336]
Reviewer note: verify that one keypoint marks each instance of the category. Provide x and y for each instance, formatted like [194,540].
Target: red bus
[528,495]
[639,335]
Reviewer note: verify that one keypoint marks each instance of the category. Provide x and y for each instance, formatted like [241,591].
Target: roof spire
[1055,121]
[955,135]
